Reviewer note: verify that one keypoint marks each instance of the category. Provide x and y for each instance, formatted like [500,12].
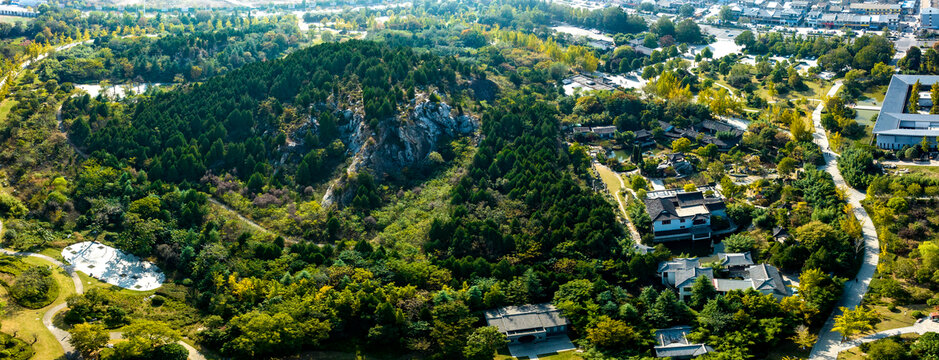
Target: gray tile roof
[735,259]
[690,350]
[672,335]
[894,121]
[673,343]
[725,285]
[665,208]
[686,277]
[767,277]
[678,264]
[526,317]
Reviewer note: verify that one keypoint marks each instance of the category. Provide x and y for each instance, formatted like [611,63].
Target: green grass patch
[873,96]
[929,171]
[867,119]
[901,317]
[27,323]
[14,19]
[503,354]
[612,182]
[5,106]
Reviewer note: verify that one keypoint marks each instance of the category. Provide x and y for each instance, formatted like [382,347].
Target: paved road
[920,327]
[828,345]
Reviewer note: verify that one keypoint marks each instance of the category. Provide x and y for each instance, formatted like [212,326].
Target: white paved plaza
[113,266]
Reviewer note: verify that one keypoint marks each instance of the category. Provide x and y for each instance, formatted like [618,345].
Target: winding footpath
[920,327]
[62,335]
[622,207]
[829,342]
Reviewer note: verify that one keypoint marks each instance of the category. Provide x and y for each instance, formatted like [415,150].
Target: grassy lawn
[14,19]
[813,90]
[857,354]
[503,354]
[873,96]
[897,319]
[610,179]
[54,253]
[27,323]
[930,171]
[866,118]
[5,108]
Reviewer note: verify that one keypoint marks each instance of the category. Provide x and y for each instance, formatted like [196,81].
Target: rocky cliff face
[399,142]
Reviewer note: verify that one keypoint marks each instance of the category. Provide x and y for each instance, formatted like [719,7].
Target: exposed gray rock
[400,143]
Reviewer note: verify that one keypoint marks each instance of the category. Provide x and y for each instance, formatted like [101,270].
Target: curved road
[829,341]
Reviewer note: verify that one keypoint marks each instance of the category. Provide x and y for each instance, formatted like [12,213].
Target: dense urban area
[464,179]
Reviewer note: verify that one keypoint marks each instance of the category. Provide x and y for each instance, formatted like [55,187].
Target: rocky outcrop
[399,143]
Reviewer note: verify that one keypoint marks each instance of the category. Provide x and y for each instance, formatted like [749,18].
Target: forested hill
[245,122]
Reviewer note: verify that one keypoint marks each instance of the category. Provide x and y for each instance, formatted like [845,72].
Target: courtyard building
[897,126]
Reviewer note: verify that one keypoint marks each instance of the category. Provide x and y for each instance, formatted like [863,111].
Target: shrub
[10,206]
[157,301]
[14,349]
[35,288]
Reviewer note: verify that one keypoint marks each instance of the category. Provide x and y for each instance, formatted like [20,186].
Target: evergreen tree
[913,105]
[934,95]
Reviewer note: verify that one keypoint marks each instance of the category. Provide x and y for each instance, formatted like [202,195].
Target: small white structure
[113,266]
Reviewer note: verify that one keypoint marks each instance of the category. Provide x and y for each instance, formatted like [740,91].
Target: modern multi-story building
[875,8]
[929,18]
[896,126]
[683,216]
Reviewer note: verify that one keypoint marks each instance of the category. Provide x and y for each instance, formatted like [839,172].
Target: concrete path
[193,353]
[633,231]
[736,122]
[911,163]
[61,335]
[920,327]
[657,184]
[828,345]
